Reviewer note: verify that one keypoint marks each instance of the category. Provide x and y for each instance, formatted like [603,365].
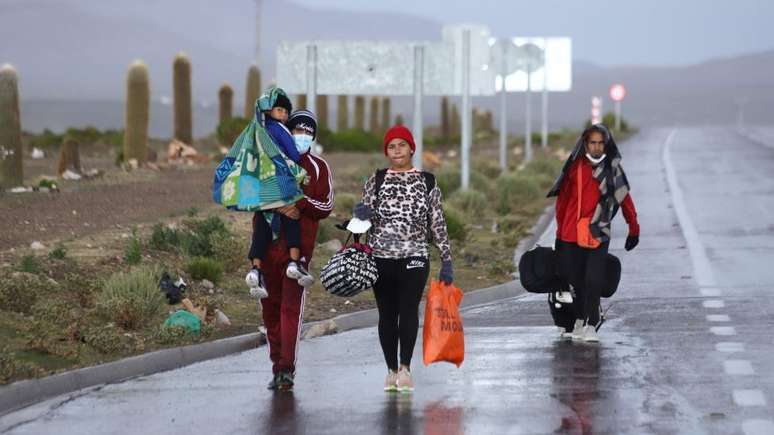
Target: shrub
[58,253]
[352,140]
[229,130]
[174,335]
[455,225]
[205,268]
[229,250]
[132,250]
[449,179]
[196,240]
[107,339]
[470,201]
[30,264]
[131,299]
[12,369]
[20,291]
[514,189]
[164,238]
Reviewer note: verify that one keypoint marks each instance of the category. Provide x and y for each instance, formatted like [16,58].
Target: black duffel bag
[613,272]
[539,270]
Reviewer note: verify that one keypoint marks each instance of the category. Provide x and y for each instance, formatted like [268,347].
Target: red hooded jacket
[567,202]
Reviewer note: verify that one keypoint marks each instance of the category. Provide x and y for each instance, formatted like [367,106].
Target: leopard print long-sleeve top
[400,222]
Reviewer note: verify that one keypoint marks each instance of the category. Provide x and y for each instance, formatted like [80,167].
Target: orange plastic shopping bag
[442,337]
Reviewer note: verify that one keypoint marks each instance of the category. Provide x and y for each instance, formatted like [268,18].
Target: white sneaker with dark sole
[297,271]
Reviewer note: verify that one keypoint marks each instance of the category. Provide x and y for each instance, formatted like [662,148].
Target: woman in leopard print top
[403,214]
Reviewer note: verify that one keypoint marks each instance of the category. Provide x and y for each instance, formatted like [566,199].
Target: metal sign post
[419,52]
[466,114]
[528,118]
[617,94]
[505,55]
[544,114]
[311,78]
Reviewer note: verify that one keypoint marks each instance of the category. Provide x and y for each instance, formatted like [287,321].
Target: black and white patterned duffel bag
[349,271]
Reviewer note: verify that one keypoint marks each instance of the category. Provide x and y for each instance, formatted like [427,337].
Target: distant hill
[72,57]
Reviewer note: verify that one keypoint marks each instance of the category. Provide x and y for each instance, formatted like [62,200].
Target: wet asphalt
[687,347]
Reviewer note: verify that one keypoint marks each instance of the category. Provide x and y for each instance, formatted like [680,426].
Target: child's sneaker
[297,271]
[257,284]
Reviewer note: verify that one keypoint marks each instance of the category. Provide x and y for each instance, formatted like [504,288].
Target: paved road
[687,349]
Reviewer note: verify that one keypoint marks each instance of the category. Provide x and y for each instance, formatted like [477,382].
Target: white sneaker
[296,271]
[577,330]
[564,297]
[257,284]
[563,332]
[405,384]
[590,334]
[391,381]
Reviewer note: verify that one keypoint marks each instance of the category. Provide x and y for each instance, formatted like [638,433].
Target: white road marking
[702,270]
[723,330]
[749,398]
[718,318]
[738,367]
[758,427]
[709,291]
[729,347]
[714,303]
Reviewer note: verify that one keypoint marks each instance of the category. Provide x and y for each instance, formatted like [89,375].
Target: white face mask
[597,160]
[303,142]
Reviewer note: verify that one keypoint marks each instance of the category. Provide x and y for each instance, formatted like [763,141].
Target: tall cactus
[385,113]
[360,112]
[454,122]
[181,80]
[252,91]
[445,125]
[11,169]
[321,106]
[137,113]
[374,115]
[225,102]
[69,156]
[342,113]
[300,102]
[399,119]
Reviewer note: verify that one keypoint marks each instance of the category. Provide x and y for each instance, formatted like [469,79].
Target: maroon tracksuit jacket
[284,308]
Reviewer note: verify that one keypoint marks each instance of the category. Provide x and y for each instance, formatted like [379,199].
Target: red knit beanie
[399,132]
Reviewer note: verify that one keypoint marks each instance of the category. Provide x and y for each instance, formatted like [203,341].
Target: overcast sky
[608,32]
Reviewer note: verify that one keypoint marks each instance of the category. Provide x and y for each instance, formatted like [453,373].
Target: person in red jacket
[283,309]
[590,189]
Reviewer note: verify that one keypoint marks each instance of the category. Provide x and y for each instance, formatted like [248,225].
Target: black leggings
[584,269]
[262,235]
[398,292]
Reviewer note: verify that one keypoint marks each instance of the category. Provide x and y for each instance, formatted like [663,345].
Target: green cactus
[342,115]
[374,115]
[360,112]
[300,102]
[322,111]
[137,113]
[11,170]
[69,156]
[385,113]
[181,79]
[445,126]
[225,102]
[252,90]
[454,122]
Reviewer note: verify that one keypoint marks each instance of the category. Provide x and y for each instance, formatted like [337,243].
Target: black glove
[446,275]
[362,211]
[631,242]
